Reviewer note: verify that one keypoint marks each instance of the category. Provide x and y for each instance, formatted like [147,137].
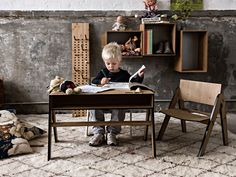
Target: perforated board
[80,57]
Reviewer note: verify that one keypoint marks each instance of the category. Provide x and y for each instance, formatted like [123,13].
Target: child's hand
[141,73]
[105,80]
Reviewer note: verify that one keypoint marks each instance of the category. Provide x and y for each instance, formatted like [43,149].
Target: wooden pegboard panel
[80,57]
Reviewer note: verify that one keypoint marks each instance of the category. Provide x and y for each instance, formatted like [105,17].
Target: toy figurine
[119,25]
[151,7]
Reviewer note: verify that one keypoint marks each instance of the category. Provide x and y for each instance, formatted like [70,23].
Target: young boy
[112,57]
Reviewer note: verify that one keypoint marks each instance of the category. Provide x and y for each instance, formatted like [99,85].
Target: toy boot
[167,48]
[160,48]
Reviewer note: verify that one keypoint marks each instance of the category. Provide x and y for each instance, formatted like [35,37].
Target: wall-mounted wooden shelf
[193,51]
[154,34]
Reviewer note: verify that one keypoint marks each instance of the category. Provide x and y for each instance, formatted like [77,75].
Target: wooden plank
[80,57]
[199,92]
[113,123]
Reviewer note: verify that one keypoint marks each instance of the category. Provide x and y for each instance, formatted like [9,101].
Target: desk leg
[146,128]
[54,128]
[153,134]
[49,132]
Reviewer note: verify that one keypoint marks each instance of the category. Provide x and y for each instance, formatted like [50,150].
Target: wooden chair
[202,93]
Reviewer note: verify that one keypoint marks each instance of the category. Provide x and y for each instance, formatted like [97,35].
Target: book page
[117,85]
[135,74]
[93,89]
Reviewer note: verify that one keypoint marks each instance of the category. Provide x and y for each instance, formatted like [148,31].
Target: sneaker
[96,140]
[111,139]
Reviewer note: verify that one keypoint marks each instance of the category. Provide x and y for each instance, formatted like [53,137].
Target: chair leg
[224,125]
[183,125]
[163,127]
[206,138]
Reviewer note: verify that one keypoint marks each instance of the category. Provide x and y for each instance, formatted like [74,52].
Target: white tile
[131,171]
[226,169]
[109,165]
[13,168]
[183,171]
[36,173]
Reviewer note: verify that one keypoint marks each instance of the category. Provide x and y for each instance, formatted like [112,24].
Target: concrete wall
[102,5]
[36,45]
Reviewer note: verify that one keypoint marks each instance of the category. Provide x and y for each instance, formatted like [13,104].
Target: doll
[119,24]
[150,5]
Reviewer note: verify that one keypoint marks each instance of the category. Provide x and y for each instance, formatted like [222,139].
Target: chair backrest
[199,92]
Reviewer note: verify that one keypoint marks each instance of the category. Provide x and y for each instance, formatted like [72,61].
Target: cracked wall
[37,46]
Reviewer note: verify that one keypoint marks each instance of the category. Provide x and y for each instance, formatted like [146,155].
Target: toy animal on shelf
[130,47]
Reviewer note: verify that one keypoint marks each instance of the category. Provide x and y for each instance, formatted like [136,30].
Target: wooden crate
[193,51]
[80,58]
[160,32]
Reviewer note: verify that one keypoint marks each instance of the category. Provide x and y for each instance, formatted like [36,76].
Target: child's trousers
[98,115]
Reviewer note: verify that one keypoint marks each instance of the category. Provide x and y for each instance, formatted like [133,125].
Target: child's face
[112,65]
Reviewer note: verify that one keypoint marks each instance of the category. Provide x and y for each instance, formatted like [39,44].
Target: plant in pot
[182,10]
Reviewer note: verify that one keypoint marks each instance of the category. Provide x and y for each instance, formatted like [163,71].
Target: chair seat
[188,115]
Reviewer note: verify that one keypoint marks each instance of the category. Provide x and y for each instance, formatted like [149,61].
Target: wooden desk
[113,99]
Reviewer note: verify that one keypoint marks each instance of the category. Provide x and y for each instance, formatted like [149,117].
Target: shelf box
[160,32]
[121,37]
[193,51]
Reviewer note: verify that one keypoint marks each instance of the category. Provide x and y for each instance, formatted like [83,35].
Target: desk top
[109,92]
[107,99]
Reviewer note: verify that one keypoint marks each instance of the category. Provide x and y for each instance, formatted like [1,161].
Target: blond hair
[112,51]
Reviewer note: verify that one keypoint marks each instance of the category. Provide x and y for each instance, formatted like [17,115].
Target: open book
[135,85]
[135,74]
[126,85]
[129,85]
[93,88]
[116,85]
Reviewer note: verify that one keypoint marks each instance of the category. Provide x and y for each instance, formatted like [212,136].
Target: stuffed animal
[59,84]
[69,87]
[55,84]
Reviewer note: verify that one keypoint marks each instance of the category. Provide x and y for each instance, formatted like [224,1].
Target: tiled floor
[176,154]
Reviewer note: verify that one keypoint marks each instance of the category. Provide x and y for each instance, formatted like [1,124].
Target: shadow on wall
[231,121]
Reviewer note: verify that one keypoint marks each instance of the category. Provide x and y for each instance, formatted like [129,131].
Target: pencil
[104,73]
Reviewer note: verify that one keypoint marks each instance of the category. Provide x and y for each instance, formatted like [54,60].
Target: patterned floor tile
[109,165]
[133,171]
